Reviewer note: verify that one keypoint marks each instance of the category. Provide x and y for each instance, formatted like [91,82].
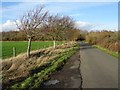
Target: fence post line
[14,52]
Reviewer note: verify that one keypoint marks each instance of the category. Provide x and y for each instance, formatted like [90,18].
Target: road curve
[98,69]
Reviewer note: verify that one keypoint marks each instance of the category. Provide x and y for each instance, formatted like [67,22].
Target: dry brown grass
[20,65]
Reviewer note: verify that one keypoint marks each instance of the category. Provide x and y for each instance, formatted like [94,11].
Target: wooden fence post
[14,52]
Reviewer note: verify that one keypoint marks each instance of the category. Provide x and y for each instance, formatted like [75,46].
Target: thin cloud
[9,25]
[60,0]
[75,15]
[15,11]
[54,8]
[84,25]
[94,26]
[23,0]
[82,1]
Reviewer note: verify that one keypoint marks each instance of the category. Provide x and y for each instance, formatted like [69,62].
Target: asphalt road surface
[68,77]
[98,69]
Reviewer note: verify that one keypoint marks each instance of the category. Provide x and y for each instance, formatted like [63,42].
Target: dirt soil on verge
[68,77]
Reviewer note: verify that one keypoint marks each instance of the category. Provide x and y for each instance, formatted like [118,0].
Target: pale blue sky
[88,15]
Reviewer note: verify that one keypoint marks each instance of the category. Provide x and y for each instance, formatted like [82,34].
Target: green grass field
[21,46]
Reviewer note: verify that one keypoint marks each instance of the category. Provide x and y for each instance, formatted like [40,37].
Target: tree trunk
[29,46]
[54,44]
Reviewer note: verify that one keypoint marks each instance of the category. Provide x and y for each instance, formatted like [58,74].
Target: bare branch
[31,20]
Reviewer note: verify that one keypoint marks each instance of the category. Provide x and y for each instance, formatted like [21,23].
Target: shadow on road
[85,45]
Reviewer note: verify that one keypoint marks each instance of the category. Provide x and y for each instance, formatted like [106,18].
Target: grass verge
[35,80]
[114,54]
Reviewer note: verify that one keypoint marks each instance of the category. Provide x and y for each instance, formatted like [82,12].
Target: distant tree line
[72,35]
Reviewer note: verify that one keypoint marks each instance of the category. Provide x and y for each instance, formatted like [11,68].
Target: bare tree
[29,22]
[58,26]
[65,25]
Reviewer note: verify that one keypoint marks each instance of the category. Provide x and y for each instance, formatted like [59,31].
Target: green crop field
[21,46]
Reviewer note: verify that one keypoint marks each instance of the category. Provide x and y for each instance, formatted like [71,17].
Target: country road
[98,69]
[87,68]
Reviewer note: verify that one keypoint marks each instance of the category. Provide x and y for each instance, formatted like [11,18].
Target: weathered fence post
[54,44]
[14,52]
